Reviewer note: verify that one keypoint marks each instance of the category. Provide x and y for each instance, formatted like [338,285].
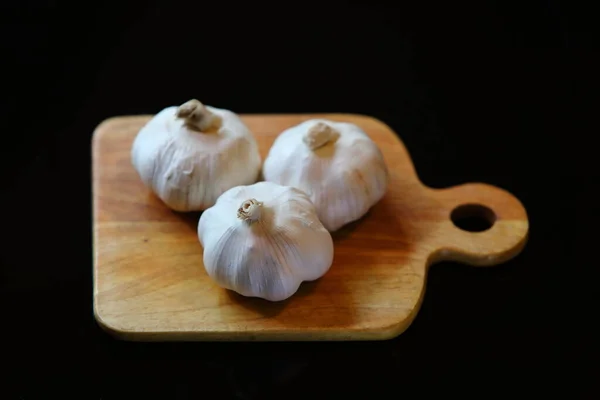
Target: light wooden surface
[150,284]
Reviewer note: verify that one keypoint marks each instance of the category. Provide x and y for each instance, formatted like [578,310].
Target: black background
[485,91]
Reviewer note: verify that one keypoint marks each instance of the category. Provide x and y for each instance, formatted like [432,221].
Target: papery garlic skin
[264,240]
[336,163]
[189,155]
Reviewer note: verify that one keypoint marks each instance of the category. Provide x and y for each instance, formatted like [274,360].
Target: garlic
[264,240]
[189,155]
[336,163]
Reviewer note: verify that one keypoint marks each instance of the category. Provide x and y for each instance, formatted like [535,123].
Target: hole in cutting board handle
[473,217]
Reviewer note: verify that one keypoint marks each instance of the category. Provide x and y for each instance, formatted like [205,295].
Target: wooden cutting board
[150,283]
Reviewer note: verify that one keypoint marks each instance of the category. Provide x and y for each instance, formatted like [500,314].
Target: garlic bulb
[190,155]
[264,240]
[340,168]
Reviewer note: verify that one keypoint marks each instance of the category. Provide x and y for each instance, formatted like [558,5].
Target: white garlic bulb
[190,155]
[336,163]
[264,240]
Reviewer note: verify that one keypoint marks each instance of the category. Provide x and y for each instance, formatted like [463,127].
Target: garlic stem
[250,210]
[319,135]
[197,116]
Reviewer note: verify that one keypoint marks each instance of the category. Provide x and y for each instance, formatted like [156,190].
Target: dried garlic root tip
[197,116]
[250,210]
[319,135]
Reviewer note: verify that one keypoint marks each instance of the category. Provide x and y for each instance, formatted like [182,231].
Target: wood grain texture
[150,284]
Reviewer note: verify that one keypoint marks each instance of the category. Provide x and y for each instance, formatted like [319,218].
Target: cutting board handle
[502,241]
